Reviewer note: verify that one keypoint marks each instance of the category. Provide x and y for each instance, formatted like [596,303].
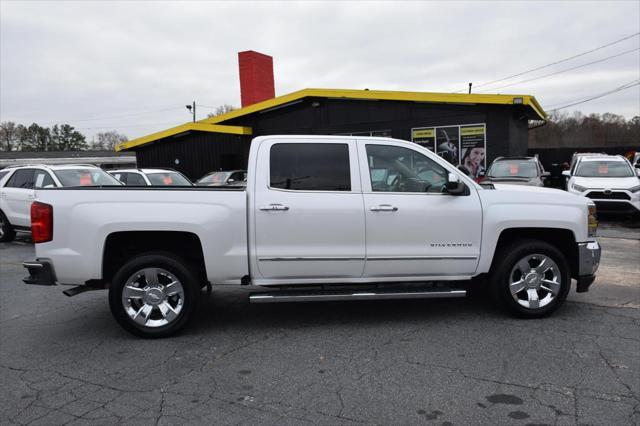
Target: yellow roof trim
[457,98]
[199,126]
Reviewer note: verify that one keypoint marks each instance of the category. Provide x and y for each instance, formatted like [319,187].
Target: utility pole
[192,110]
[470,87]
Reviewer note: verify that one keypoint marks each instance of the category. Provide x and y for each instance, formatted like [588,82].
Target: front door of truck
[309,218]
[414,228]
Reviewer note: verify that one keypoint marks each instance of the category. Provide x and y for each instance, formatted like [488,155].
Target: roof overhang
[526,101]
[183,128]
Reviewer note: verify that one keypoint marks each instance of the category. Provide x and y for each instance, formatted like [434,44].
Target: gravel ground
[459,361]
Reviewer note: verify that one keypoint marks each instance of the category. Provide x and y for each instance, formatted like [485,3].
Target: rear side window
[134,179]
[310,167]
[167,179]
[86,177]
[21,179]
[43,180]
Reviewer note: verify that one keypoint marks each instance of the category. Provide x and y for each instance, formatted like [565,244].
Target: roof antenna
[470,84]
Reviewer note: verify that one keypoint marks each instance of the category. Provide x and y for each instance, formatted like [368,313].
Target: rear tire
[154,295]
[7,233]
[531,279]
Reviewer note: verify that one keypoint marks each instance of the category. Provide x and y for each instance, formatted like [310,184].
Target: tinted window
[86,177]
[43,180]
[397,169]
[21,179]
[310,167]
[134,179]
[167,179]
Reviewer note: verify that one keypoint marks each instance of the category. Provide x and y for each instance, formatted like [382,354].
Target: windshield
[86,177]
[168,179]
[604,169]
[218,177]
[513,168]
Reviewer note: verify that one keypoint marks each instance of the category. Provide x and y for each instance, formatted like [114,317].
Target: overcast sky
[132,66]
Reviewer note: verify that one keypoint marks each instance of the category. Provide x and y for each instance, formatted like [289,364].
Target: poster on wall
[424,136]
[473,149]
[447,143]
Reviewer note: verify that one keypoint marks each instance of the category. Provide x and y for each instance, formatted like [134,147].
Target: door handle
[274,207]
[384,208]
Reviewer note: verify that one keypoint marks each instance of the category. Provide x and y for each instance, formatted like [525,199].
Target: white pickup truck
[321,218]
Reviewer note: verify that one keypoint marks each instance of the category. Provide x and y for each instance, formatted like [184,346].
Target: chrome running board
[337,295]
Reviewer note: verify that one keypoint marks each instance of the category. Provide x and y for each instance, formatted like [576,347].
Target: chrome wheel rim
[535,281]
[153,297]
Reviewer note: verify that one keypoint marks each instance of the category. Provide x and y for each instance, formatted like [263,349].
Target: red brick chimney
[256,77]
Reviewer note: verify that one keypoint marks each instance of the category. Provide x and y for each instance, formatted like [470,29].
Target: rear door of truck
[308,210]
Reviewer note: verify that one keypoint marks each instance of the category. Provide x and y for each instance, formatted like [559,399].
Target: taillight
[592,220]
[41,222]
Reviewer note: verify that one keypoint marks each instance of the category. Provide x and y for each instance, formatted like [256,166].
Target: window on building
[310,167]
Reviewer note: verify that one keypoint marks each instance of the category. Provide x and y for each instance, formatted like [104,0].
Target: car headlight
[592,220]
[578,188]
[635,189]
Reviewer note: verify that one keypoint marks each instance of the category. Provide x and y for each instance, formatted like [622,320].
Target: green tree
[36,138]
[66,138]
[222,109]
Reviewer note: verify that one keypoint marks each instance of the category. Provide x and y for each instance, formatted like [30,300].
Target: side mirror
[637,165]
[454,185]
[566,173]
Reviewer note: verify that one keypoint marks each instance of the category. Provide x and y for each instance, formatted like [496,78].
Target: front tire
[532,278]
[7,233]
[154,295]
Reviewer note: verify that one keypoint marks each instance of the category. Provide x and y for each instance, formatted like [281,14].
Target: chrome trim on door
[384,208]
[274,207]
[421,257]
[290,258]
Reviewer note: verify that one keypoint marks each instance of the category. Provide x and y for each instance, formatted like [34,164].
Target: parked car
[150,177]
[609,180]
[18,185]
[516,171]
[310,226]
[232,177]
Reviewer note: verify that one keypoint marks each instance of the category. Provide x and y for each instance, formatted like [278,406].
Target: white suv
[18,185]
[609,180]
[150,177]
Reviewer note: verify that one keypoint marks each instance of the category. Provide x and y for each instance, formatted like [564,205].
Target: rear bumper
[40,272]
[588,263]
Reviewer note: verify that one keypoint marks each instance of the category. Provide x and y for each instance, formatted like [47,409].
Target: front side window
[398,169]
[310,167]
[22,178]
[604,169]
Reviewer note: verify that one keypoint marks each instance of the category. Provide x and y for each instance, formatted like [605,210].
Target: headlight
[592,220]
[578,187]
[635,189]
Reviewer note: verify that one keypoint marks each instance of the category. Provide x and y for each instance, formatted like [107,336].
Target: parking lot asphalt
[459,361]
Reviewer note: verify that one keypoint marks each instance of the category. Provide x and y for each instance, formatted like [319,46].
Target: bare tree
[108,140]
[222,109]
[10,135]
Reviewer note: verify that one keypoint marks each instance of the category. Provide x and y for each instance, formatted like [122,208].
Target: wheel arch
[119,247]
[563,239]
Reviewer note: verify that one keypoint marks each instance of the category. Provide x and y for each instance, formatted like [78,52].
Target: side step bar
[338,295]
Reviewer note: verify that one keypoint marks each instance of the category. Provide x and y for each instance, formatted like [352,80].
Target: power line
[564,70]
[554,63]
[114,116]
[601,95]
[129,126]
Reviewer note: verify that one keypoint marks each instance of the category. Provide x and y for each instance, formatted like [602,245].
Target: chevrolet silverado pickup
[321,218]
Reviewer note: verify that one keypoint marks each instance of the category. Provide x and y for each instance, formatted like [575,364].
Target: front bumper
[40,272]
[588,262]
